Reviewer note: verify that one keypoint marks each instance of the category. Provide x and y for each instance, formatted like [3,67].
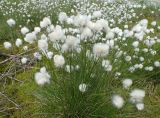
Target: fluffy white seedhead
[37,56]
[97,14]
[127,83]
[7,45]
[25,48]
[57,34]
[137,95]
[106,65]
[149,68]
[50,28]
[128,58]
[49,55]
[81,20]
[117,31]
[143,22]
[135,44]
[102,25]
[69,68]
[72,42]
[154,23]
[110,43]
[100,49]
[42,77]
[30,37]
[86,33]
[43,45]
[11,22]
[37,30]
[24,60]
[18,42]
[44,37]
[24,30]
[140,106]
[59,60]
[82,87]
[110,35]
[70,20]
[141,59]
[157,64]
[62,17]
[96,27]
[117,101]
[126,26]
[45,22]
[108,68]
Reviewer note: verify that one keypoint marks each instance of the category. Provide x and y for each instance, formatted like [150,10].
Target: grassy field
[21,96]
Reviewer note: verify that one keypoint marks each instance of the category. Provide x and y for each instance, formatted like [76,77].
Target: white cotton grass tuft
[110,35]
[135,44]
[117,101]
[96,14]
[59,61]
[49,55]
[86,33]
[43,45]
[106,65]
[102,25]
[82,87]
[37,55]
[154,23]
[157,64]
[11,22]
[57,34]
[30,37]
[18,42]
[62,17]
[149,68]
[45,22]
[127,83]
[137,96]
[7,45]
[81,20]
[24,30]
[100,49]
[110,43]
[37,30]
[128,58]
[42,77]
[24,60]
[71,43]
[69,68]
[140,106]
[25,48]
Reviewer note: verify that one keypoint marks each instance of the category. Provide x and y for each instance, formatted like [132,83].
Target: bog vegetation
[79,59]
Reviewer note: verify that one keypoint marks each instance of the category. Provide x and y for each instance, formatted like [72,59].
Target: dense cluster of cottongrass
[87,62]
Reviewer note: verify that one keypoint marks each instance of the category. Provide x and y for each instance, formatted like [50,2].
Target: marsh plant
[85,64]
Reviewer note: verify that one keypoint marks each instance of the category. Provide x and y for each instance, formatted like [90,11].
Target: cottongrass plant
[81,66]
[87,64]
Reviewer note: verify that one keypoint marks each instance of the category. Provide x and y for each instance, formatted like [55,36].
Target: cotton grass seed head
[100,50]
[7,45]
[137,95]
[117,101]
[11,22]
[82,87]
[127,83]
[42,77]
[59,60]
